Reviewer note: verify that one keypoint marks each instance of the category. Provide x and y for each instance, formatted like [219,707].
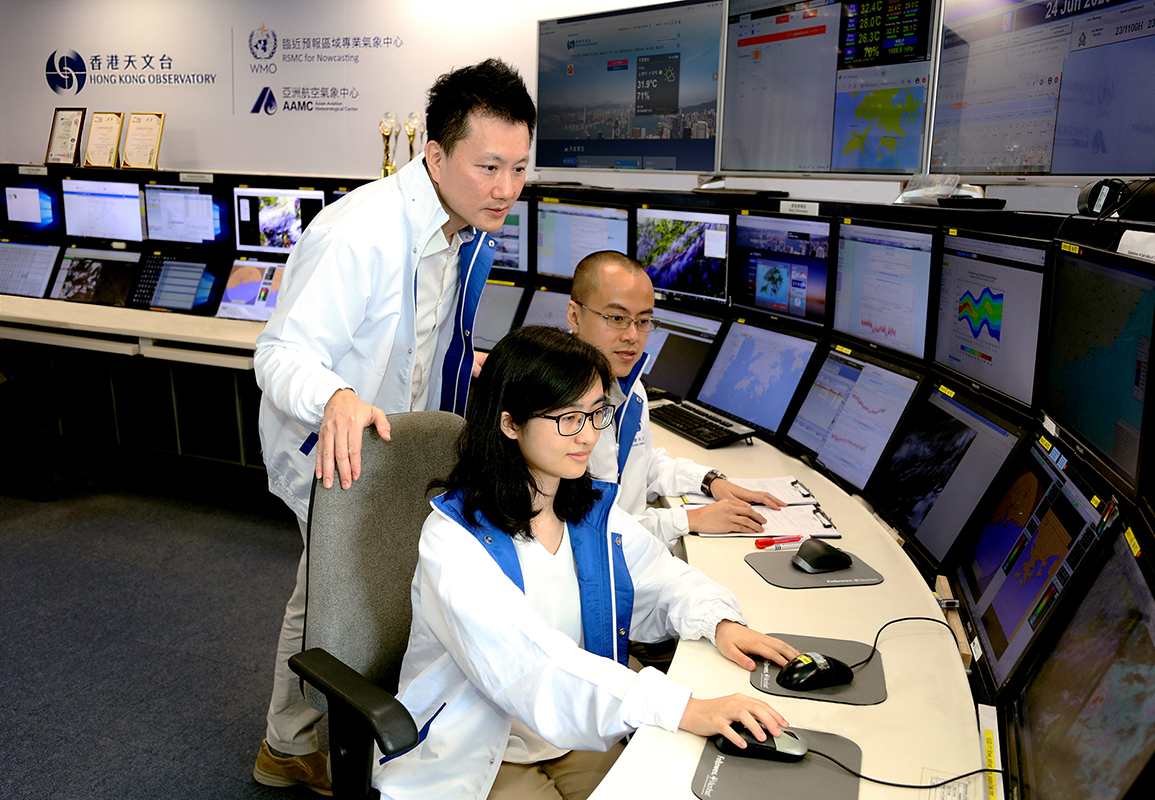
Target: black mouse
[788,747]
[814,671]
[816,555]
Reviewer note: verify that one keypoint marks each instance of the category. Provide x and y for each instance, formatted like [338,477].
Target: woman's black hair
[533,370]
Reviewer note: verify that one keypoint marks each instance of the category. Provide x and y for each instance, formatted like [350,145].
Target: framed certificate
[64,139]
[103,148]
[142,140]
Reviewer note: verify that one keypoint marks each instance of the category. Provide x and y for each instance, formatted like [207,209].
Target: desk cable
[863,662]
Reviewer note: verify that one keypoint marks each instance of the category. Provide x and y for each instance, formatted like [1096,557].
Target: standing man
[375,318]
[612,307]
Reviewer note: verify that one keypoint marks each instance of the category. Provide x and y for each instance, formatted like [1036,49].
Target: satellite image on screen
[683,255]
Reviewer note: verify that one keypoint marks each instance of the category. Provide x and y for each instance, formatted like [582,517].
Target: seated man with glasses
[611,306]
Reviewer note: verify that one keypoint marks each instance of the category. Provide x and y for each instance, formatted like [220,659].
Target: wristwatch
[711,476]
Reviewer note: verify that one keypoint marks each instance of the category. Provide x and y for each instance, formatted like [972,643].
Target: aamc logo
[65,73]
[266,101]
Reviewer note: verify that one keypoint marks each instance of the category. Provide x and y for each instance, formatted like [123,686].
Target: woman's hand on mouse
[707,717]
[735,641]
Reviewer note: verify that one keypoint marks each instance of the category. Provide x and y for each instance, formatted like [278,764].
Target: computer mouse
[789,746]
[816,556]
[814,671]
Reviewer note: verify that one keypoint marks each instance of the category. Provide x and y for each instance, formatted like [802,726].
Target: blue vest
[457,369]
[603,634]
[628,417]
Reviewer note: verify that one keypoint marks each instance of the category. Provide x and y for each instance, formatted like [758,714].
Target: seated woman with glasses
[529,585]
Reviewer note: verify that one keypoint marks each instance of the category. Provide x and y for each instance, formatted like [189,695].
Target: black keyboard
[698,426]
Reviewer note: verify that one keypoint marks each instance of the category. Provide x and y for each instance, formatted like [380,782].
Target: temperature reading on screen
[657,84]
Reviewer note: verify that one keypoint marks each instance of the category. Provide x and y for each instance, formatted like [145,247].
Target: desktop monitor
[884,284]
[251,290]
[547,308]
[272,220]
[684,252]
[851,412]
[496,312]
[1021,556]
[1100,340]
[189,213]
[31,207]
[944,456]
[568,233]
[678,350]
[513,239]
[26,269]
[990,310]
[103,209]
[101,277]
[780,265]
[1045,89]
[755,375]
[1083,724]
[634,88]
[820,87]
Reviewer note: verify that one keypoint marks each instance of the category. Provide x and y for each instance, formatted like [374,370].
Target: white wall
[210,125]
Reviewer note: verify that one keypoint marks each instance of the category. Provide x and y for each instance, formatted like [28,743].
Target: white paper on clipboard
[809,521]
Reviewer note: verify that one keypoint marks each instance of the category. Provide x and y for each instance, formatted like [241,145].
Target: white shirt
[438,281]
[551,586]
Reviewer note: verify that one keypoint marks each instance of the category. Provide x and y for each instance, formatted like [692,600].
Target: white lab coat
[480,653]
[650,472]
[345,319]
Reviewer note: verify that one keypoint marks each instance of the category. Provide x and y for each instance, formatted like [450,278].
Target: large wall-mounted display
[826,86]
[1045,88]
[630,89]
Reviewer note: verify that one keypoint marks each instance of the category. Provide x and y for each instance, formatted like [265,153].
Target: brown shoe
[311,770]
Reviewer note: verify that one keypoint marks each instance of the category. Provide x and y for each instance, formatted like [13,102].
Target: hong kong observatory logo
[65,73]
[263,43]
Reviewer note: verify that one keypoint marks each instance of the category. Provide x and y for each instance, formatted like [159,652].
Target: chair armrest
[390,721]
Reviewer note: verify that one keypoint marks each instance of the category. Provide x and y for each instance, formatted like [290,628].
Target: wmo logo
[263,43]
[265,100]
[66,74]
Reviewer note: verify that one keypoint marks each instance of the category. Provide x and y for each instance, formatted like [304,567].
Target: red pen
[762,544]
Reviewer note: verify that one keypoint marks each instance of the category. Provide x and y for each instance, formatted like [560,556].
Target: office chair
[362,555]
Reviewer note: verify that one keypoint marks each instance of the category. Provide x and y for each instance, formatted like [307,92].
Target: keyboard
[699,425]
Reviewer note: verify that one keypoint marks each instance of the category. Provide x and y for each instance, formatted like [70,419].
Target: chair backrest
[363,546]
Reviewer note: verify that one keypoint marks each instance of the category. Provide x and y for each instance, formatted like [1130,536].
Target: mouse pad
[777,570]
[722,777]
[867,689]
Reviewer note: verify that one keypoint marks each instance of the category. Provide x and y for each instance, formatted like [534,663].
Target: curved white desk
[928,719]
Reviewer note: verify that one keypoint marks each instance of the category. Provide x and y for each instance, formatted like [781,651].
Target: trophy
[413,127]
[389,127]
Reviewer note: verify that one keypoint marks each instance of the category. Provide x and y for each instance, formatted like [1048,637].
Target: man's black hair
[491,88]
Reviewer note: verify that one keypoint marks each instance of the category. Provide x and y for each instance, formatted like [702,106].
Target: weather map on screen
[1027,551]
[252,290]
[755,374]
[780,265]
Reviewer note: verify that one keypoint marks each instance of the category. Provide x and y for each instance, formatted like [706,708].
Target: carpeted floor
[137,633]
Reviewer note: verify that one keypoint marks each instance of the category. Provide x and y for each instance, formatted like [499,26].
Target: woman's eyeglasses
[572,423]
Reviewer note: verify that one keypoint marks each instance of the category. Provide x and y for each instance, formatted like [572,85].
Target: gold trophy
[413,127]
[389,127]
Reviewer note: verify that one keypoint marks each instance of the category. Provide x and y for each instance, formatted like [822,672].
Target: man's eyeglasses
[621,322]
[572,423]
